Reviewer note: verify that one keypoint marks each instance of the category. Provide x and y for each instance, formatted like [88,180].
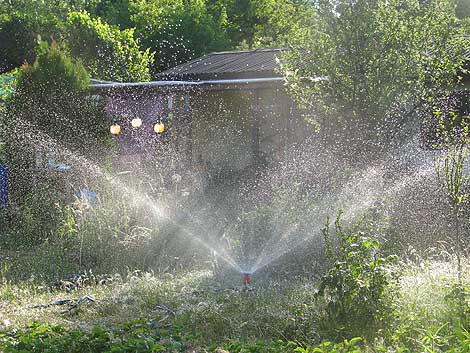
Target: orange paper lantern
[115,129]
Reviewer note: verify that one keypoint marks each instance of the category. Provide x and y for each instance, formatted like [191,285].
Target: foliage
[148,336]
[23,22]
[347,346]
[111,233]
[373,66]
[182,30]
[107,52]
[35,224]
[140,336]
[452,133]
[429,310]
[176,30]
[113,12]
[354,292]
[266,23]
[106,237]
[7,84]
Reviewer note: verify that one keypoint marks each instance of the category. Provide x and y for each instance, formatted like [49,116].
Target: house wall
[222,127]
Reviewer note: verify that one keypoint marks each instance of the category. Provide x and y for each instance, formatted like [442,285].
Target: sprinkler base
[246,279]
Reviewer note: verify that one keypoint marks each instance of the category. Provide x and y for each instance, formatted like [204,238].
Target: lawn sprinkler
[246,279]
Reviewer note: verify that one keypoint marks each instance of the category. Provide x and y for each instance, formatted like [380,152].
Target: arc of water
[367,202]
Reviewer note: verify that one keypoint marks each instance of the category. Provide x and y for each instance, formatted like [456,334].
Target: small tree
[376,64]
[355,293]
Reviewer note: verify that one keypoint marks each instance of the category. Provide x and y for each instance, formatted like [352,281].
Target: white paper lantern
[136,123]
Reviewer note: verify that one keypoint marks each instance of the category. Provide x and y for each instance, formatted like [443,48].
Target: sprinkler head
[246,278]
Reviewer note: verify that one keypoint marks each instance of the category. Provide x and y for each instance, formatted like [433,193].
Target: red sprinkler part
[246,278]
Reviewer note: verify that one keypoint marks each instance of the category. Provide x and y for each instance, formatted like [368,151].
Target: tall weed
[355,292]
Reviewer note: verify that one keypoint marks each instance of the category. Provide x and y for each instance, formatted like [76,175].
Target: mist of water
[300,193]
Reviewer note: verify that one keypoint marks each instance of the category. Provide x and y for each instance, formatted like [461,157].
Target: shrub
[51,116]
[353,294]
[38,216]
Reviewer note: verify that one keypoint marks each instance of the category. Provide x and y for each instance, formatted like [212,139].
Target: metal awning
[203,85]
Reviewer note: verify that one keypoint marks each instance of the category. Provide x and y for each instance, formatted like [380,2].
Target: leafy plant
[347,346]
[354,293]
[17,43]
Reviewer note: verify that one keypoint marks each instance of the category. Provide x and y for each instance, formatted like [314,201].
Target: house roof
[228,65]
[248,69]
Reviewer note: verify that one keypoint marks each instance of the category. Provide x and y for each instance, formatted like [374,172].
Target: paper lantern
[115,129]
[159,128]
[136,123]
